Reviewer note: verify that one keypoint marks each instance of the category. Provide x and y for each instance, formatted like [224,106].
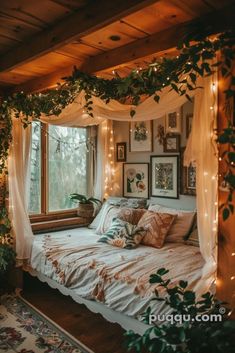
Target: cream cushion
[182,224]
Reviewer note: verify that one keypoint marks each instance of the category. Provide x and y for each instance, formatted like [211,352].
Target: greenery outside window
[59,160]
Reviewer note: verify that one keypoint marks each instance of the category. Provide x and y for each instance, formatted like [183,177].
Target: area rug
[24,329]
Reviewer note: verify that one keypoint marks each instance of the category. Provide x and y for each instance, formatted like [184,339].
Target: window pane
[67,165]
[35,170]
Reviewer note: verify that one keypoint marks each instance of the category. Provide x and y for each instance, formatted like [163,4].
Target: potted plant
[85,205]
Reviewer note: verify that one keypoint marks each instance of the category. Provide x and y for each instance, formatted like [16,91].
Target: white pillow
[94,224]
[108,213]
[181,226]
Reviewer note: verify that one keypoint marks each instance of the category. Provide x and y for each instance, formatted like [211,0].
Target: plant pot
[85,210]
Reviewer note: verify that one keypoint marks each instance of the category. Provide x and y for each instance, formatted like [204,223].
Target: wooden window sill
[60,224]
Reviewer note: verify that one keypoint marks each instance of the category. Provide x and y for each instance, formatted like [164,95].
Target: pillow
[123,235]
[131,215]
[157,226]
[133,203]
[182,225]
[193,238]
[108,213]
[94,224]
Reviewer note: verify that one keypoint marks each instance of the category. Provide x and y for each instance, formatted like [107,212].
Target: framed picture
[141,136]
[188,177]
[165,176]
[121,152]
[171,143]
[173,122]
[189,121]
[136,180]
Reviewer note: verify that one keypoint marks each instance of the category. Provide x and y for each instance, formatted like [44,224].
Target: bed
[107,279]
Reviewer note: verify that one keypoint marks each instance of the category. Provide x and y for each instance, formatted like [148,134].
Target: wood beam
[94,16]
[153,44]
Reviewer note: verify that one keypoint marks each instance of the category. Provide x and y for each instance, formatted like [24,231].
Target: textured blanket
[117,277]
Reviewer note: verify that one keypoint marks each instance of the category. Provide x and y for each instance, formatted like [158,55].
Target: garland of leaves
[179,73]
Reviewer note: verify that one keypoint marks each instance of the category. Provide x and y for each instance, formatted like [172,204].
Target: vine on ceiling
[179,73]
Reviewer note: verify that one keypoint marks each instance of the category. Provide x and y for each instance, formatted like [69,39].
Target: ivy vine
[179,73]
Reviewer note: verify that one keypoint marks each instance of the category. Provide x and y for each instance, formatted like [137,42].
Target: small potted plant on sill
[85,205]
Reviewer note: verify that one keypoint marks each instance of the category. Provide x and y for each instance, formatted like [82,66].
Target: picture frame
[171,143]
[173,121]
[165,176]
[188,177]
[121,151]
[136,180]
[189,121]
[141,136]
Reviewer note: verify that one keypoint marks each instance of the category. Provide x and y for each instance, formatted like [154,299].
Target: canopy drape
[200,149]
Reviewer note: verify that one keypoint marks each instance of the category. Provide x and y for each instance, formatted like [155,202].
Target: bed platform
[110,280]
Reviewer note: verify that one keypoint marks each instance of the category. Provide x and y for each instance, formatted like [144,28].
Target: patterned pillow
[123,235]
[157,226]
[133,203]
[182,225]
[131,215]
[108,214]
[193,238]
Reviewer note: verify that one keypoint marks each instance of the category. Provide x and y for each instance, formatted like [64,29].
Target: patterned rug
[23,329]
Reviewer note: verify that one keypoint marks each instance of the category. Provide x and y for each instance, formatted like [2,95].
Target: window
[59,159]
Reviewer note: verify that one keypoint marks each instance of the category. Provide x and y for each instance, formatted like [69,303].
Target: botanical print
[191,177]
[164,172]
[164,176]
[135,180]
[141,136]
[172,120]
[141,131]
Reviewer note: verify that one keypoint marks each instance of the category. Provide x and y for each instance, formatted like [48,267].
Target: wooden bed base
[126,322]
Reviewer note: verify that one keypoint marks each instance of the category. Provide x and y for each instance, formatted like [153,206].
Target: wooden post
[226,229]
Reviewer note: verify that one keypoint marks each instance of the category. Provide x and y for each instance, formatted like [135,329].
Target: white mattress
[116,277]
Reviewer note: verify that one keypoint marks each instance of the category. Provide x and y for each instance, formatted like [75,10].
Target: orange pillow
[131,215]
[156,226]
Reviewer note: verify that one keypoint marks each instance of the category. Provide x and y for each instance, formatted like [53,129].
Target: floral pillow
[131,215]
[123,235]
[157,225]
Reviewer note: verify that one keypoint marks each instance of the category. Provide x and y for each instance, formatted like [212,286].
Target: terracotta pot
[85,210]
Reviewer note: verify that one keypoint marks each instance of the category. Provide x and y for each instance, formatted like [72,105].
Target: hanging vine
[179,73]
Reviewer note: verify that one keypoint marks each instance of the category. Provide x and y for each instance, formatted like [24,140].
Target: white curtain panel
[18,168]
[202,150]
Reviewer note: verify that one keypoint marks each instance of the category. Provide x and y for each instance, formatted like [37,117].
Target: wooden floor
[89,328]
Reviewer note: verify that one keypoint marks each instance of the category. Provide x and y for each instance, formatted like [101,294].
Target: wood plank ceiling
[120,38]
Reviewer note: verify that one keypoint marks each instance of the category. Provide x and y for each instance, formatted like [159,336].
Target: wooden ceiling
[41,41]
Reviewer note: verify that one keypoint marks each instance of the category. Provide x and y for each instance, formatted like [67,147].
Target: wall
[121,134]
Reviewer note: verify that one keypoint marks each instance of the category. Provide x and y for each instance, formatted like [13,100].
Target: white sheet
[116,277]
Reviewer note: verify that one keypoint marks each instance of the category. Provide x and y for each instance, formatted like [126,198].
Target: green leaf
[189,296]
[162,271]
[132,113]
[183,284]
[226,213]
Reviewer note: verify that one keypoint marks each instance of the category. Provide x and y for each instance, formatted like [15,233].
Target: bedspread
[117,277]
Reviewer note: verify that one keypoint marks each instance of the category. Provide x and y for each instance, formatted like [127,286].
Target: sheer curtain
[18,169]
[202,150]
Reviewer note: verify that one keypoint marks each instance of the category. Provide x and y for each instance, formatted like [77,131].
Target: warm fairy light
[155,69]
[206,214]
[213,178]
[205,173]
[220,159]
[211,108]
[113,72]
[216,203]
[232,278]
[233,253]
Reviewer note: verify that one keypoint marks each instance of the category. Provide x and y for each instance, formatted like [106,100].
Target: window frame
[45,214]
